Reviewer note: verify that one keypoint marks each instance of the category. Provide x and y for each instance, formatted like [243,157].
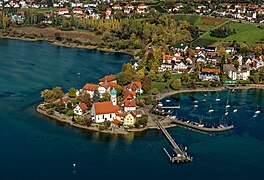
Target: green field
[244,33]
[165,85]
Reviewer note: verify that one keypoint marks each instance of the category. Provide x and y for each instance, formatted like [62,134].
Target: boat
[205,95]
[160,104]
[195,101]
[204,100]
[235,110]
[233,90]
[226,113]
[227,105]
[195,105]
[255,115]
[217,99]
[168,100]
[210,109]
[257,111]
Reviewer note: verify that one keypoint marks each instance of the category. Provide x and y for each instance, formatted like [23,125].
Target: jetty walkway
[181,155]
[202,128]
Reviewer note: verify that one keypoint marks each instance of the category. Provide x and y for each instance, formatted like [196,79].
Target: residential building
[209,74]
[80,109]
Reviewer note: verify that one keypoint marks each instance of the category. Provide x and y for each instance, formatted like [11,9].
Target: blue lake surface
[35,147]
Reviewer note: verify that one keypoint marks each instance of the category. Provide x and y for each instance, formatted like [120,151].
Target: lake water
[35,147]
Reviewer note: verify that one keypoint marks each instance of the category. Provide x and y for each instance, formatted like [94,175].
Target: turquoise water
[35,147]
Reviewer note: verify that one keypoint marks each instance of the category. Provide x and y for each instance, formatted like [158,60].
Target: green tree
[105,97]
[48,96]
[255,78]
[176,84]
[123,78]
[72,92]
[96,96]
[146,85]
[58,93]
[167,75]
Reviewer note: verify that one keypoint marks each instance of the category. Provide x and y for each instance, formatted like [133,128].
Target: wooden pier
[181,155]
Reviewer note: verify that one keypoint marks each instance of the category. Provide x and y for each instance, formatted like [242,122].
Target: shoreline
[71,45]
[67,120]
[167,122]
[170,93]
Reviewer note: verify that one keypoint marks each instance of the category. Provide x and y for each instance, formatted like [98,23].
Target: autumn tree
[48,96]
[72,92]
[146,84]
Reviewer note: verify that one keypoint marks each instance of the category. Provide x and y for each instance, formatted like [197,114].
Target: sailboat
[227,105]
[217,98]
[210,109]
[257,111]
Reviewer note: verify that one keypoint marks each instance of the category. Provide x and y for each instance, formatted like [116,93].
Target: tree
[167,75]
[257,49]
[123,78]
[176,84]
[255,78]
[139,74]
[146,85]
[72,92]
[126,67]
[155,91]
[185,77]
[96,96]
[48,95]
[58,93]
[105,97]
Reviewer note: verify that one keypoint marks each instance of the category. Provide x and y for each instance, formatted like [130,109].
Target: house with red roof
[141,8]
[90,88]
[77,10]
[135,86]
[104,111]
[130,119]
[108,78]
[80,109]
[128,101]
[209,74]
[63,11]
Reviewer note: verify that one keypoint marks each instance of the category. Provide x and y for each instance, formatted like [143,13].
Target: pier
[170,107]
[200,128]
[181,155]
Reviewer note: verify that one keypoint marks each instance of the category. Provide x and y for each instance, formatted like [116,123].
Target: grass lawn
[163,85]
[244,33]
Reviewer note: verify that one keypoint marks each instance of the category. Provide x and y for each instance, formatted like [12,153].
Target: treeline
[4,20]
[131,33]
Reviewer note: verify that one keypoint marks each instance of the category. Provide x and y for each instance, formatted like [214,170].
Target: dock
[181,155]
[205,129]
[170,107]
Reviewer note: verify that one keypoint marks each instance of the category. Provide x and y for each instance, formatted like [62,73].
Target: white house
[80,109]
[104,111]
[241,74]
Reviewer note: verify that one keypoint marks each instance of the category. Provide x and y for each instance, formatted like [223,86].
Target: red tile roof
[130,103]
[63,9]
[121,114]
[108,78]
[90,87]
[105,108]
[83,106]
[135,85]
[214,70]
